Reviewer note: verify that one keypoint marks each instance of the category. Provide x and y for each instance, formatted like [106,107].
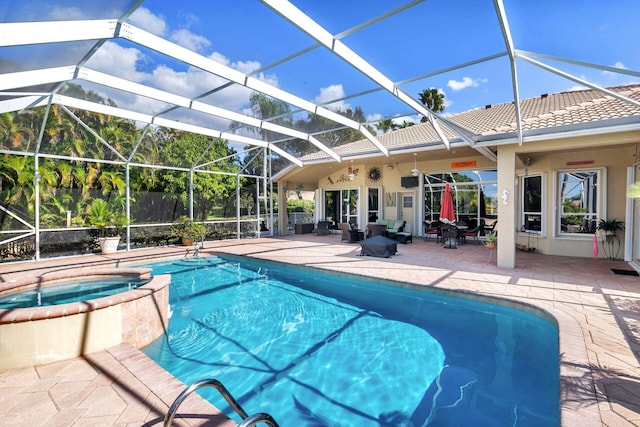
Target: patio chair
[491,226]
[376,230]
[349,234]
[475,232]
[397,227]
[433,229]
[322,228]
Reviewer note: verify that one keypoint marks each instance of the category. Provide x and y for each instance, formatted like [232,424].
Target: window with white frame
[579,200]
[350,204]
[532,201]
[374,206]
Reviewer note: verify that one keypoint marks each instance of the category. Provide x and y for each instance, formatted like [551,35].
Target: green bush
[300,206]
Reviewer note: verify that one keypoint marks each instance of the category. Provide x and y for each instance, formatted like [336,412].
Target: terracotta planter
[490,245]
[109,245]
[187,242]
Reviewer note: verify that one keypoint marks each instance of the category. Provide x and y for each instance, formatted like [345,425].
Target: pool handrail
[260,417]
[212,382]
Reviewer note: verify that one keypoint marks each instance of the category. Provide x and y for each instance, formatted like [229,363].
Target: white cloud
[195,82]
[67,13]
[409,119]
[157,24]
[189,40]
[118,61]
[618,64]
[374,118]
[247,66]
[242,66]
[329,93]
[464,83]
[145,19]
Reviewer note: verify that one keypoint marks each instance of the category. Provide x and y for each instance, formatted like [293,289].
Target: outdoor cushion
[397,226]
[391,224]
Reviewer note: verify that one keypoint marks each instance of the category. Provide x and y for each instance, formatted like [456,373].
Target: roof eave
[618,125]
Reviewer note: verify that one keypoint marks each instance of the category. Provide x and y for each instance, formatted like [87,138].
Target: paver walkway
[598,313]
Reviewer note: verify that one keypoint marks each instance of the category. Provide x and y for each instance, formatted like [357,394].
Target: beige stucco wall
[615,160]
[392,172]
[613,151]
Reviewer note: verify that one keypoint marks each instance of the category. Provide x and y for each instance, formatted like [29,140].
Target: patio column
[507,197]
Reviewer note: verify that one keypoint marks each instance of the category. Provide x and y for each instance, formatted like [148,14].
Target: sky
[420,47]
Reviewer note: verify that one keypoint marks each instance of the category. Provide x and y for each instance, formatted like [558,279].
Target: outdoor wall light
[526,162]
[352,172]
[415,171]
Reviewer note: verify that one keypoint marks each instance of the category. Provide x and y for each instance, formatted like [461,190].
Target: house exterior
[547,187]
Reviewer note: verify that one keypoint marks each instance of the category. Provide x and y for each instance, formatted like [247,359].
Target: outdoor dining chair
[349,234]
[475,232]
[432,229]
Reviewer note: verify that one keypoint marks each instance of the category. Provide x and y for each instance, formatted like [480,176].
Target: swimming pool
[312,348]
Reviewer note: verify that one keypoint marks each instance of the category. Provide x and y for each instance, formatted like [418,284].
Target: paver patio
[598,313]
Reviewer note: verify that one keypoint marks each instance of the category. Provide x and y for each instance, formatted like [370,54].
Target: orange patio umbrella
[447,212]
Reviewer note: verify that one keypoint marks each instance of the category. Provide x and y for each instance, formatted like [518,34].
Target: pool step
[247,420]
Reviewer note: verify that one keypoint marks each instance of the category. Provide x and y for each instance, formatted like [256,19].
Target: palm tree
[13,132]
[112,180]
[17,173]
[386,125]
[433,99]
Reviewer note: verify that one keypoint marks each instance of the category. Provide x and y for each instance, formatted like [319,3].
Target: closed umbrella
[447,213]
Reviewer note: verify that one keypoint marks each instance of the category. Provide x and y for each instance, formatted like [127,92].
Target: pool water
[64,293]
[315,349]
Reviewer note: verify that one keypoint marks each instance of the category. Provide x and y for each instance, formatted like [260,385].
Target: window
[474,194]
[532,187]
[350,206]
[579,201]
[407,202]
[373,204]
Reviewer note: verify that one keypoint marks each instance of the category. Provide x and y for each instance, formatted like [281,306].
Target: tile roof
[544,112]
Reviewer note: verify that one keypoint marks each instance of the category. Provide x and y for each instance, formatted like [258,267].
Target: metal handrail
[212,382]
[260,417]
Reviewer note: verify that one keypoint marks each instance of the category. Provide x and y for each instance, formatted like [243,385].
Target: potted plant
[188,230]
[610,226]
[490,239]
[109,221]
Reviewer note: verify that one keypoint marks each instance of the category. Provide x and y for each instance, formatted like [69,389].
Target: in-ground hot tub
[44,334]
